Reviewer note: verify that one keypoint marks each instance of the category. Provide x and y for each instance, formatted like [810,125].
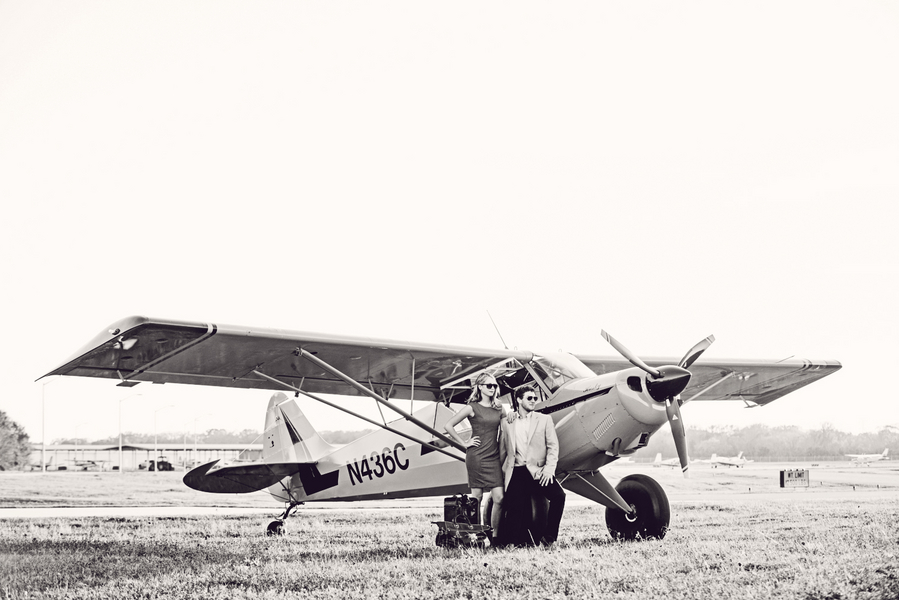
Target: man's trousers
[518,526]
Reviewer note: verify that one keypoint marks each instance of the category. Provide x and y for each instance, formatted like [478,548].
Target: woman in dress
[484,412]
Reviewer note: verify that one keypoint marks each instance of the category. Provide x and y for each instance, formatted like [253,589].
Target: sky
[663,171]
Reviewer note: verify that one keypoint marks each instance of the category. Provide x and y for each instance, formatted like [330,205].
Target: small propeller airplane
[863,459]
[729,461]
[668,462]
[604,408]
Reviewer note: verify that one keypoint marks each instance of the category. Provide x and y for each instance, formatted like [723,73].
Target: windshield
[558,368]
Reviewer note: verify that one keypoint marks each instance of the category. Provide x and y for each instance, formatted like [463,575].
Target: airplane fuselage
[597,420]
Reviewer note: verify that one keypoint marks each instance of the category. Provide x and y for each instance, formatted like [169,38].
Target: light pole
[44,423]
[76,440]
[156,438]
[121,462]
[193,456]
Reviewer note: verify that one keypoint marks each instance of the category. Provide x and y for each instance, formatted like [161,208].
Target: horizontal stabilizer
[239,478]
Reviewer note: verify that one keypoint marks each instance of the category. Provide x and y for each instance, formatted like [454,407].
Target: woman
[484,412]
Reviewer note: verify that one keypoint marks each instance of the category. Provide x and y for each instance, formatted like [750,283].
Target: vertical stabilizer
[289,437]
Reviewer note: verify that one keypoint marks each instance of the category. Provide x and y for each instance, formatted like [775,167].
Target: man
[529,454]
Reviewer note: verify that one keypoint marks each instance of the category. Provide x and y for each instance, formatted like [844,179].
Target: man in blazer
[529,453]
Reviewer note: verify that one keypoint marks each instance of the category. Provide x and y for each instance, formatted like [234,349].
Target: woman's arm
[450,427]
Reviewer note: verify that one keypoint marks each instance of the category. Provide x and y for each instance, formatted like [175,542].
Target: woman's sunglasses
[490,386]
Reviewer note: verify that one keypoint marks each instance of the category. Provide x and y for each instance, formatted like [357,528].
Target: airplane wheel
[651,505]
[275,528]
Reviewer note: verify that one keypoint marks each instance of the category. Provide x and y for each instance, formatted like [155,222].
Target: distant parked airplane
[864,459]
[669,462]
[730,461]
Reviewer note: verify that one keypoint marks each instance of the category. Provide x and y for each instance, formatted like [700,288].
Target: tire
[275,528]
[651,505]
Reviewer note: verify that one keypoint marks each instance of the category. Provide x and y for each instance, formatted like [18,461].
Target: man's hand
[546,477]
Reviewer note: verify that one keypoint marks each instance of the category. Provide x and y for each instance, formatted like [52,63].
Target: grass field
[811,547]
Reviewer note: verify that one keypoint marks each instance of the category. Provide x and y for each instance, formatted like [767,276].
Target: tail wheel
[275,528]
[652,513]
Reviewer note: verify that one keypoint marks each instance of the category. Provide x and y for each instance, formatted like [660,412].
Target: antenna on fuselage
[497,330]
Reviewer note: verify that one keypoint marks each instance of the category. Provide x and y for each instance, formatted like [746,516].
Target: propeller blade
[633,358]
[672,408]
[695,352]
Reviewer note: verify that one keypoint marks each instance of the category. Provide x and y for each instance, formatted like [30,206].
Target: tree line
[755,441]
[761,442]
[210,436]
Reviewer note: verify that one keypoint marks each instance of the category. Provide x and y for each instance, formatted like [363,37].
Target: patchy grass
[811,549]
[130,488]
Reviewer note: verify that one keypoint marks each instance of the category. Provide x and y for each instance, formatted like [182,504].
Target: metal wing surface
[139,349]
[756,382]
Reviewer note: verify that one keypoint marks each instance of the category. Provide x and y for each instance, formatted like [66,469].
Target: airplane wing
[139,349]
[756,382]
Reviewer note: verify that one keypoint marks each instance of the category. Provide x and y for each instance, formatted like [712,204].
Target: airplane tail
[658,459]
[290,444]
[886,451]
[289,436]
[740,455]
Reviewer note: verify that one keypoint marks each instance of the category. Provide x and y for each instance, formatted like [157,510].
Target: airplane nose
[672,382]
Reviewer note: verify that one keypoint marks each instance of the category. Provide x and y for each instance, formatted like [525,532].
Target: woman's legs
[497,512]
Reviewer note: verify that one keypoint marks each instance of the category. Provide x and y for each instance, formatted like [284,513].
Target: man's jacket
[542,453]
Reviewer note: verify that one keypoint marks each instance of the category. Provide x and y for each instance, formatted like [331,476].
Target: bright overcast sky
[664,171]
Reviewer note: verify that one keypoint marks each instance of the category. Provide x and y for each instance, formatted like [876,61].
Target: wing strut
[597,488]
[538,379]
[358,416]
[319,362]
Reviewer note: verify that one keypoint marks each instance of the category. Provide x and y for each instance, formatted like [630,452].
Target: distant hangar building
[103,457]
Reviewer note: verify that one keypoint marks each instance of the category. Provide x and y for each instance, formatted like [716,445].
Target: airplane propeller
[666,384]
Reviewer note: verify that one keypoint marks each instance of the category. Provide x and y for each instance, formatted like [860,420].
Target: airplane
[669,462]
[729,461]
[90,465]
[863,459]
[604,408]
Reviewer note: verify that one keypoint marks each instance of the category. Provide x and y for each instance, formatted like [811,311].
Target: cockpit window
[559,368]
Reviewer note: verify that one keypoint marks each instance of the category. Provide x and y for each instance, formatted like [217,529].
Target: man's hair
[519,394]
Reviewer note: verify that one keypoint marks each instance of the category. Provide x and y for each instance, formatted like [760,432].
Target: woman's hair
[476,391]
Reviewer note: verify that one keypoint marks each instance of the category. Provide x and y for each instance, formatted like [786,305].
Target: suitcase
[462,509]
[461,527]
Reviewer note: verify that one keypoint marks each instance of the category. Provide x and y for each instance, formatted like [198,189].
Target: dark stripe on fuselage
[433,443]
[563,405]
[314,482]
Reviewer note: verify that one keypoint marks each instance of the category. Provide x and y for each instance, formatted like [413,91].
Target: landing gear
[651,511]
[276,527]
